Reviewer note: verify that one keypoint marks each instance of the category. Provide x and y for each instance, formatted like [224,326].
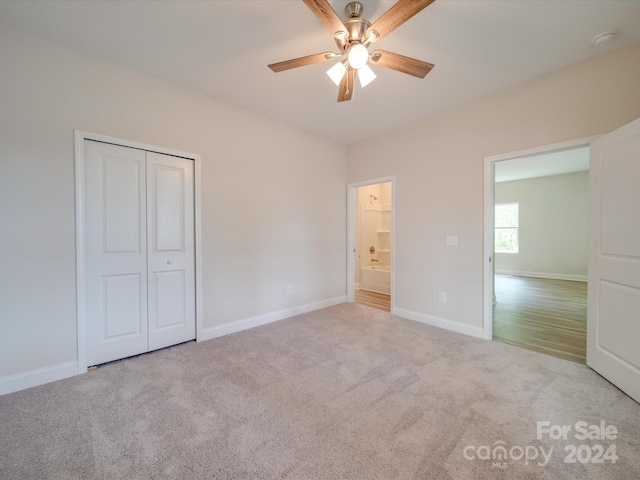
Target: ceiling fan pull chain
[353,95]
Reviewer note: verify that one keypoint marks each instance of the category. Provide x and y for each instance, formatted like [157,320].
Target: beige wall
[438,164]
[553,226]
[273,197]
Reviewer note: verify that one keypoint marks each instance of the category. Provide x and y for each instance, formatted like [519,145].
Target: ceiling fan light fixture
[366,76]
[358,56]
[337,72]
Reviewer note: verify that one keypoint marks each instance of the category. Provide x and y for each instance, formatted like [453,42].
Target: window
[506,223]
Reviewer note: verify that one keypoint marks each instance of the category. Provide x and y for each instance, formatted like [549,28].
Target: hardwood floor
[547,316]
[373,299]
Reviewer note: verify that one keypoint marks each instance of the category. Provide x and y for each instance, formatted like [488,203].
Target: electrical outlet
[289,289]
[452,241]
[442,297]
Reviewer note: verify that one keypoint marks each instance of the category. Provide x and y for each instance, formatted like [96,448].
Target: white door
[170,230]
[139,237]
[116,252]
[613,325]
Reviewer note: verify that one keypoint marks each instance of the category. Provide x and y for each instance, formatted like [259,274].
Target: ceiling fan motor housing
[355,25]
[353,10]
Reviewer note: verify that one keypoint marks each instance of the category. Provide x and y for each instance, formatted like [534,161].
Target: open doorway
[370,272]
[538,254]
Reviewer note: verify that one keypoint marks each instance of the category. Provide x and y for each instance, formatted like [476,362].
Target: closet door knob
[169,262]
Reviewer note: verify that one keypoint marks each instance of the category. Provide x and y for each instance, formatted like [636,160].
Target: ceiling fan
[353,38]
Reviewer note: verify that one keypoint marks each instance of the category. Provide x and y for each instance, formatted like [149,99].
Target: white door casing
[138,244]
[613,312]
[489,211]
[352,216]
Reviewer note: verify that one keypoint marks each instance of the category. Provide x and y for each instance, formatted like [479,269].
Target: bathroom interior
[373,246]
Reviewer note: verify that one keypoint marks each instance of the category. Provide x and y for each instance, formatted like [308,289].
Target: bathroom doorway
[371,244]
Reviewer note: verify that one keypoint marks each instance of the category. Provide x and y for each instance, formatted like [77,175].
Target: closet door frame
[79,139]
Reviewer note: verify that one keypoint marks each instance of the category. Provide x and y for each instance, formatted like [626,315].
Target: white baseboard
[247,323]
[33,378]
[551,276]
[440,322]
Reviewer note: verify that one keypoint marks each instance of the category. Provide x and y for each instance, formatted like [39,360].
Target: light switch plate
[452,241]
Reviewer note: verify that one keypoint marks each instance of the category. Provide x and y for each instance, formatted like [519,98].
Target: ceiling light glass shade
[366,76]
[358,56]
[337,72]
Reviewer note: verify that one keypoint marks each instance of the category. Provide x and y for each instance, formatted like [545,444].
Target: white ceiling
[222,49]
[554,163]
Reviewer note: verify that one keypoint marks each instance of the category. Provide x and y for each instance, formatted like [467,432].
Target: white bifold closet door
[140,258]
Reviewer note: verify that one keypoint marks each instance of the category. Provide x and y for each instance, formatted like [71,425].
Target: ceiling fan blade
[327,15]
[403,64]
[302,61]
[396,16]
[346,85]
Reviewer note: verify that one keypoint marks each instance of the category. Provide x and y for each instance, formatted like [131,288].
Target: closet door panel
[170,231]
[170,299]
[116,252]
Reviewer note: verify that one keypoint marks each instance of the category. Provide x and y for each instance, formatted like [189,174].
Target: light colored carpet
[347,392]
